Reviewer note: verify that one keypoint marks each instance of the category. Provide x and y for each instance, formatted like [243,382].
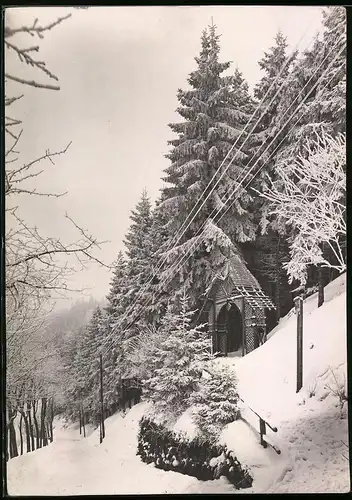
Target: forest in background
[258,174]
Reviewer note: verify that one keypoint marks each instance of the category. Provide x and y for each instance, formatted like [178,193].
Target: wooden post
[320,286]
[299,312]
[102,436]
[262,430]
[243,326]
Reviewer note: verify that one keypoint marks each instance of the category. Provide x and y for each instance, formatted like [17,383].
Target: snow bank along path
[310,429]
[310,425]
[73,465]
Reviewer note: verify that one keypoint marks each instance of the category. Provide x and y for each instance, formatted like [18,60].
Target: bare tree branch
[32,83]
[34,29]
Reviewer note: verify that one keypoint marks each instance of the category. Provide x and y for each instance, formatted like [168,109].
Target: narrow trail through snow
[81,466]
[311,428]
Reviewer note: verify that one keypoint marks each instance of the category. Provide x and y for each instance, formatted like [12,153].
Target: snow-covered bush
[170,451]
[216,401]
[339,389]
[181,354]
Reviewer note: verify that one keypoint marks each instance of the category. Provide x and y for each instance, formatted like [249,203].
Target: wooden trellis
[236,286]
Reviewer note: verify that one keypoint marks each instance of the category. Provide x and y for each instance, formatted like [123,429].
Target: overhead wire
[177,237]
[179,263]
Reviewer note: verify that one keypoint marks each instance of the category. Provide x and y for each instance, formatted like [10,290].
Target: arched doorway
[230,328]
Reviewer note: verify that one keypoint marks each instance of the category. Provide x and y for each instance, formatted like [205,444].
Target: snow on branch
[309,196]
[26,56]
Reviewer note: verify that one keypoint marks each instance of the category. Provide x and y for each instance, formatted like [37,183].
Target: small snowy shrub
[216,402]
[181,353]
[338,389]
[199,458]
[312,388]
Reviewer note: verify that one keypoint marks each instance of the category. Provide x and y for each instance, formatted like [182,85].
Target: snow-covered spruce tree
[117,303]
[139,245]
[216,401]
[214,111]
[177,363]
[157,287]
[265,254]
[323,111]
[87,366]
[276,66]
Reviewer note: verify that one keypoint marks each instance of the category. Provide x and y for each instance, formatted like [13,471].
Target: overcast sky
[119,71]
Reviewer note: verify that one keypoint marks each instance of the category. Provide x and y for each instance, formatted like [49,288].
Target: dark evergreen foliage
[168,451]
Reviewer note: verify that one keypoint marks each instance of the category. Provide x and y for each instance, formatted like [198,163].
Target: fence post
[262,428]
[299,312]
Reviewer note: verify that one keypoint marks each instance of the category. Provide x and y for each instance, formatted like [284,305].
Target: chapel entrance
[230,329]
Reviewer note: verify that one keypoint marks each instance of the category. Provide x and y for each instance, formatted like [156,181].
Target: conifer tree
[117,303]
[214,110]
[276,65]
[323,112]
[87,363]
[325,106]
[266,254]
[139,244]
[178,362]
[158,288]
[216,401]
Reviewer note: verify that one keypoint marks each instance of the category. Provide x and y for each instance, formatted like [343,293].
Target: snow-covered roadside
[310,429]
[76,466]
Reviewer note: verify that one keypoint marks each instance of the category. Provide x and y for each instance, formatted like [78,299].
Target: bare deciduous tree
[37,266]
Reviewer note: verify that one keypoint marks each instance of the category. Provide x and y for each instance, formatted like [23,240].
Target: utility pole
[299,312]
[102,432]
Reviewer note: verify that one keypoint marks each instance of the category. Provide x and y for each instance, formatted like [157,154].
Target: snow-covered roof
[236,269]
[243,282]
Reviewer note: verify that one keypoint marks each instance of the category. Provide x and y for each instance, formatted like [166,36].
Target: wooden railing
[263,424]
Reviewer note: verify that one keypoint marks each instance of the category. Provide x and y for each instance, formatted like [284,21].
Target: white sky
[119,70]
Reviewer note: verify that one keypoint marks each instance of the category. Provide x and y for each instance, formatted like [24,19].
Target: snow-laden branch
[309,196]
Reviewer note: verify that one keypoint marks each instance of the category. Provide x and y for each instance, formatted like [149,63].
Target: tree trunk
[83,424]
[320,286]
[43,435]
[26,426]
[7,444]
[48,431]
[30,424]
[21,435]
[12,434]
[37,433]
[51,420]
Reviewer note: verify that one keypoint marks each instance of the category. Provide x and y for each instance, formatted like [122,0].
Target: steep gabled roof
[236,269]
[243,284]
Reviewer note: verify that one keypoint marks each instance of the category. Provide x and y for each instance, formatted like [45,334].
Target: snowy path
[310,433]
[75,466]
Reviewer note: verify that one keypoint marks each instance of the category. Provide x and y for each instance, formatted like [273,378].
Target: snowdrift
[312,429]
[311,426]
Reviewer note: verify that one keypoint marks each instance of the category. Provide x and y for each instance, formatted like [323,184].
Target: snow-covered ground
[311,427]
